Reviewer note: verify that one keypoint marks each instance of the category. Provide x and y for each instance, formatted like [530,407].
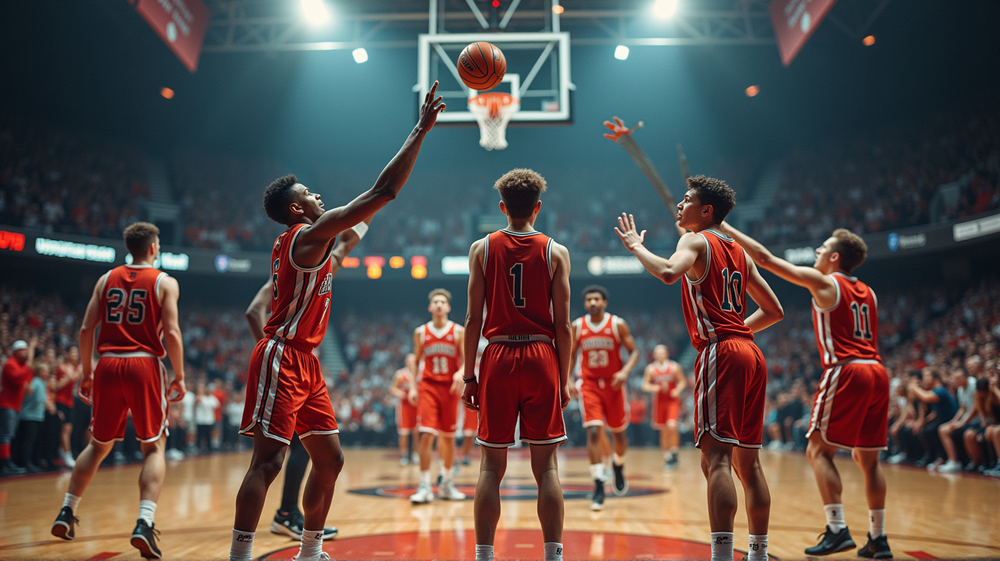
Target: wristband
[469,380]
[360,229]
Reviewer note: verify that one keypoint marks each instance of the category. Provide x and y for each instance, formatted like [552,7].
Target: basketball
[481,66]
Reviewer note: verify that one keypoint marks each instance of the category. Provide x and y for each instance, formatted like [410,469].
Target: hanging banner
[794,22]
[180,23]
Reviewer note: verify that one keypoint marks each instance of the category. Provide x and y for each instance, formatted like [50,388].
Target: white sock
[553,551]
[757,548]
[312,544]
[71,501]
[147,509]
[722,546]
[619,460]
[484,552]
[242,546]
[597,472]
[835,517]
[876,523]
[425,476]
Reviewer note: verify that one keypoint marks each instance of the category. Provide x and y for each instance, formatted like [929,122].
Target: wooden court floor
[664,515]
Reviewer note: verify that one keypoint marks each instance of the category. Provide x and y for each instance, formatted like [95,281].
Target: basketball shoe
[831,542]
[291,525]
[65,525]
[144,539]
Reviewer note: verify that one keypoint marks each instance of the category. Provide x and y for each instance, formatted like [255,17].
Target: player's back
[848,330]
[518,271]
[715,304]
[300,301]
[130,312]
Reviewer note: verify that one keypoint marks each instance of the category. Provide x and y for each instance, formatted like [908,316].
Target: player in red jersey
[135,307]
[851,407]
[600,337]
[520,277]
[286,392]
[406,412]
[665,380]
[67,374]
[730,372]
[437,371]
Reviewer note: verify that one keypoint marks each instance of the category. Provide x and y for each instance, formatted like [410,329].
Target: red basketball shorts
[406,417]
[730,386]
[851,408]
[604,404]
[520,380]
[665,409]
[286,393]
[470,423]
[122,384]
[437,407]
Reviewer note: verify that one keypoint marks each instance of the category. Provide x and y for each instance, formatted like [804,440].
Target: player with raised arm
[135,307]
[406,412]
[851,407]
[520,277]
[289,520]
[286,392]
[600,337]
[665,380]
[437,371]
[730,371]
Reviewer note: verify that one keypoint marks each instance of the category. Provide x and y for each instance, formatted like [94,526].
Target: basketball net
[493,111]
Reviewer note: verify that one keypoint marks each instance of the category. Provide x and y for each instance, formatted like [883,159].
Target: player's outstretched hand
[631,237]
[430,109]
[176,391]
[618,129]
[469,396]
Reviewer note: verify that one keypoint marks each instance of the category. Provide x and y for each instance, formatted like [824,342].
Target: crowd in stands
[944,169]
[940,346]
[65,182]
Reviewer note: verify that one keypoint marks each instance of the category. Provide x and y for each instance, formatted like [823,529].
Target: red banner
[794,22]
[180,23]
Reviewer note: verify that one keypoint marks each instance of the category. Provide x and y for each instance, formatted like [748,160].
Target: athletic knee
[268,466]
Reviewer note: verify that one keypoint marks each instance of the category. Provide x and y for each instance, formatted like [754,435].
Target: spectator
[954,429]
[205,406]
[933,393]
[233,418]
[16,374]
[64,386]
[30,420]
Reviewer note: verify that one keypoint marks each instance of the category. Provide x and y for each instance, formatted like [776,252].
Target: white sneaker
[950,466]
[323,556]
[67,458]
[935,464]
[404,461]
[774,445]
[897,458]
[423,495]
[448,492]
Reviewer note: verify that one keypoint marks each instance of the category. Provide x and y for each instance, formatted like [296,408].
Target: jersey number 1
[137,298]
[517,271]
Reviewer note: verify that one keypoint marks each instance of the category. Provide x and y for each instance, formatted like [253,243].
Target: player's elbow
[777,311]
[668,276]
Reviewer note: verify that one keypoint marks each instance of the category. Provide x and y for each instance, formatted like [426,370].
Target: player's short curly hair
[715,192]
[598,289]
[278,196]
[852,249]
[440,292]
[138,238]
[520,190]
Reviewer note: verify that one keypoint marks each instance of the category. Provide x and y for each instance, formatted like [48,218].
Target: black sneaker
[877,548]
[291,525]
[466,461]
[671,462]
[144,539]
[65,525]
[832,542]
[621,485]
[597,503]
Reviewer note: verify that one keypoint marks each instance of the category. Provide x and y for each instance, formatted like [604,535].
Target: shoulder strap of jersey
[708,261]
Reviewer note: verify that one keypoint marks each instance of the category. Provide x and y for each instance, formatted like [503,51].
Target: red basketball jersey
[300,301]
[600,347]
[130,311]
[404,374]
[518,271]
[715,304]
[666,376]
[848,330]
[440,352]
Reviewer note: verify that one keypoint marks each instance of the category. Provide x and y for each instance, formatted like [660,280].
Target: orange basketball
[481,66]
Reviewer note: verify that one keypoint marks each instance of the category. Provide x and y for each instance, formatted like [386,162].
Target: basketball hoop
[493,111]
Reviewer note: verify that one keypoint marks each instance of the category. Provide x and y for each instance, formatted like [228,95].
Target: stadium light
[316,12]
[621,52]
[558,9]
[167,93]
[869,40]
[665,9]
[360,55]
[752,91]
